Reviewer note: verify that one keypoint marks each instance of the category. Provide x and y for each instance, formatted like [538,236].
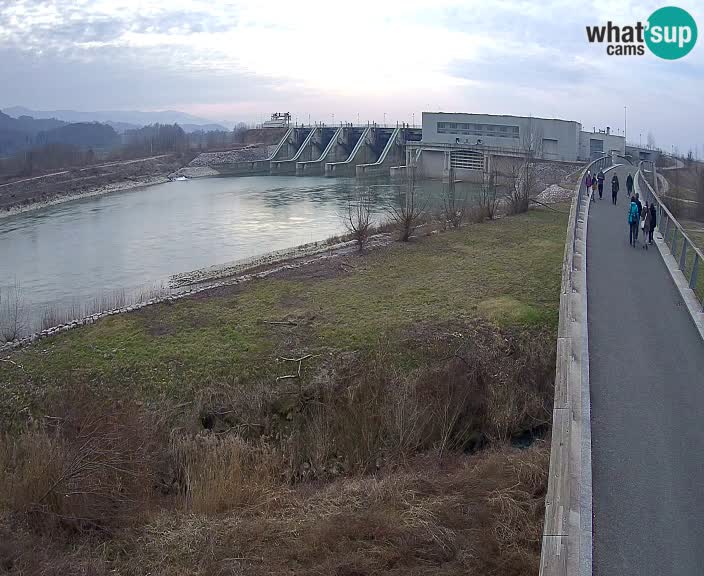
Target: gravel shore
[99,191]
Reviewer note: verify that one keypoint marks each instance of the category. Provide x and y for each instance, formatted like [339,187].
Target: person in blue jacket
[633,220]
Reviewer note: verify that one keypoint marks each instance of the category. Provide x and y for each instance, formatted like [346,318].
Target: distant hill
[122,127]
[25,132]
[135,118]
[188,128]
[81,134]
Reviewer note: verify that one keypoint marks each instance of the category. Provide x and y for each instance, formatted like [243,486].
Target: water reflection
[81,250]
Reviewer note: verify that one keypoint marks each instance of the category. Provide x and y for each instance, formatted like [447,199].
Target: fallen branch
[300,362]
[296,359]
[284,322]
[13,363]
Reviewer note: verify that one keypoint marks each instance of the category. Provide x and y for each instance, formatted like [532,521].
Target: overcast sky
[241,60]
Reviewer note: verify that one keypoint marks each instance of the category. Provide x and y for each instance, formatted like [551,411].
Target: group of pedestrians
[639,217]
[643,218]
[595,181]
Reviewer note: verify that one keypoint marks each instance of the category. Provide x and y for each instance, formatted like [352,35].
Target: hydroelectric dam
[333,151]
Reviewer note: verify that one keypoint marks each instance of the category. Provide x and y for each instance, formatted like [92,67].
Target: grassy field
[382,413]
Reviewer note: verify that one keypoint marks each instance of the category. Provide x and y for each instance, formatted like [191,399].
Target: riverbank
[383,412]
[45,190]
[98,191]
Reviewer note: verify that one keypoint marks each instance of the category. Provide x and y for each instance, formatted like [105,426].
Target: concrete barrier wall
[357,156]
[281,149]
[330,154]
[393,153]
[567,533]
[288,165]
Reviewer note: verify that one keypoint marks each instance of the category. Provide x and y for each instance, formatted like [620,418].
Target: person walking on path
[633,221]
[640,212]
[600,178]
[629,184]
[614,188]
[588,180]
[653,222]
[645,224]
[594,187]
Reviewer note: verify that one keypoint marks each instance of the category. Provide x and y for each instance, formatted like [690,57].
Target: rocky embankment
[206,163]
[40,191]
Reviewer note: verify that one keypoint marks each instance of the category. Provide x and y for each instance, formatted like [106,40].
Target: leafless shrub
[488,196]
[93,468]
[13,313]
[357,220]
[521,176]
[408,208]
[454,203]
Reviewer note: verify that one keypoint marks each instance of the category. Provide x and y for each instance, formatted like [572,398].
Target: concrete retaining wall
[567,534]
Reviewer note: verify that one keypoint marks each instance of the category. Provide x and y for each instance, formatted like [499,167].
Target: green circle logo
[670,33]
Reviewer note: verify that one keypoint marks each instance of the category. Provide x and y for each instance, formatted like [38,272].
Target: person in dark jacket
[640,212]
[645,224]
[633,222]
[629,184]
[614,188]
[600,179]
[653,222]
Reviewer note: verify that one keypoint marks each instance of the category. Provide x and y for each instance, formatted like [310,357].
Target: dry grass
[367,469]
[92,468]
[477,514]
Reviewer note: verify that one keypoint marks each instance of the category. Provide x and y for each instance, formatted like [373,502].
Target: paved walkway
[647,387]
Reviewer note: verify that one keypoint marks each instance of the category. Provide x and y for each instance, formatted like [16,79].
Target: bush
[92,468]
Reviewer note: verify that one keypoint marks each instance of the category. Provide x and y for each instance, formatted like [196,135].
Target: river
[105,249]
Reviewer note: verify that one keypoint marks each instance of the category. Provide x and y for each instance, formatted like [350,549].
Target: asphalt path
[646,366]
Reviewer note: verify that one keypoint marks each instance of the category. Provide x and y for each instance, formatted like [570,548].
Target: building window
[467,129]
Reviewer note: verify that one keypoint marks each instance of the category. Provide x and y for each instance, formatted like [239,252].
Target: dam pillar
[338,149]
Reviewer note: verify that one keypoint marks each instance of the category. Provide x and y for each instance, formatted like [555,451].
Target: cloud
[235,58]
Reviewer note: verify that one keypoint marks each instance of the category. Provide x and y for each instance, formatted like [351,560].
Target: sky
[241,60]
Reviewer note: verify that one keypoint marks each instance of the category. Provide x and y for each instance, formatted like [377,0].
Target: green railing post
[695,270]
[683,256]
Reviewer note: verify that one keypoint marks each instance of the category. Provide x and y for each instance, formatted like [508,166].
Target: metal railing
[595,166]
[688,256]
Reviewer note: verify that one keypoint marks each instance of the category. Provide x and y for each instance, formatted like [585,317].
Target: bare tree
[454,203]
[523,180]
[488,196]
[358,217]
[408,208]
[651,141]
[12,313]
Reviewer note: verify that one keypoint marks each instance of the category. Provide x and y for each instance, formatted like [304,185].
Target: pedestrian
[645,224]
[629,184]
[588,180]
[640,211]
[594,187]
[614,188]
[633,221]
[653,222]
[600,178]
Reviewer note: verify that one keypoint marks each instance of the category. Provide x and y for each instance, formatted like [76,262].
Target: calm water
[82,250]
